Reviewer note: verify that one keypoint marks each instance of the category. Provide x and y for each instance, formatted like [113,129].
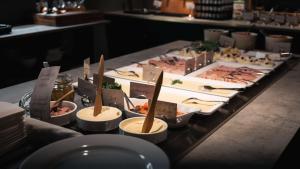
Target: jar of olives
[62,85]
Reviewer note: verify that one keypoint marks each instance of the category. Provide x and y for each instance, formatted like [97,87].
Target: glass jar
[62,85]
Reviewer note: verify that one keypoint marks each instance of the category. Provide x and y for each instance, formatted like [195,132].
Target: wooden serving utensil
[57,102]
[98,99]
[148,123]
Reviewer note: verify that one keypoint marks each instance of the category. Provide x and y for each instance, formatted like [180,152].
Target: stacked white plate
[12,132]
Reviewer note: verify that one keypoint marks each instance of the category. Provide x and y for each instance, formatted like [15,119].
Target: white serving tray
[216,64]
[173,95]
[189,83]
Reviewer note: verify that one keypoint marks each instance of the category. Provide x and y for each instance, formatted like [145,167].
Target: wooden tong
[57,102]
[98,100]
[148,123]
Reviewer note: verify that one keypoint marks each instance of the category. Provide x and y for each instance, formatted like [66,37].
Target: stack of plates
[12,132]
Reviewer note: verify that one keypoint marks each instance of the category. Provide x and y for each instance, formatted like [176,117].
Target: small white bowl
[181,120]
[66,118]
[157,134]
[87,122]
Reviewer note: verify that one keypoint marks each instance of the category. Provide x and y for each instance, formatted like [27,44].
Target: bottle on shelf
[238,9]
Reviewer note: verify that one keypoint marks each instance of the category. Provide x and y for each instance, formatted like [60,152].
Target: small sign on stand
[41,96]
[138,90]
[166,111]
[150,73]
[113,98]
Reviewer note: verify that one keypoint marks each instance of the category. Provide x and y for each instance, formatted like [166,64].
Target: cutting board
[68,18]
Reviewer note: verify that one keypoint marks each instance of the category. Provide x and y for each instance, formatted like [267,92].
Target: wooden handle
[60,99]
[150,116]
[98,100]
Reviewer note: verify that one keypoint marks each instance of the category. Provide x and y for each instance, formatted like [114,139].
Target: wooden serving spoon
[58,101]
[98,99]
[148,123]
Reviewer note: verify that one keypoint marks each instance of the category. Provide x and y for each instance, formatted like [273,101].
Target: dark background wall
[18,12]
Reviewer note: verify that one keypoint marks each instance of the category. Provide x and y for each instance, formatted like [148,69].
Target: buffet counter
[251,135]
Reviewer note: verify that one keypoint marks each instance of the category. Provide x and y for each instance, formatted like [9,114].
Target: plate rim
[155,155]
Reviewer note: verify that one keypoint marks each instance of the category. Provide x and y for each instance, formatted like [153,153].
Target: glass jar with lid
[62,85]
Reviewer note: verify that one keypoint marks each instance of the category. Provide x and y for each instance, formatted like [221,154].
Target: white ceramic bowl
[272,39]
[157,134]
[244,40]
[66,118]
[214,35]
[87,122]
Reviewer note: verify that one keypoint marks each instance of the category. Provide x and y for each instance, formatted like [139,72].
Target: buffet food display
[197,79]
[157,100]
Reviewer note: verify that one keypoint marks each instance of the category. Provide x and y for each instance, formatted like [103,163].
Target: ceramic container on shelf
[213,35]
[271,40]
[244,40]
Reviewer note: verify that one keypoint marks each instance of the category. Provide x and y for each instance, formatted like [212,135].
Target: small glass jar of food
[62,85]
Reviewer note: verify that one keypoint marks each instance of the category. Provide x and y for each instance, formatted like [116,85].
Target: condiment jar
[62,85]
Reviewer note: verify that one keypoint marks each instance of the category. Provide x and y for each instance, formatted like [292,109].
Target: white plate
[216,64]
[98,151]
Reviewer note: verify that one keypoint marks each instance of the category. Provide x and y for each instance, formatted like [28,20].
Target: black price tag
[166,111]
[113,98]
[140,90]
[86,88]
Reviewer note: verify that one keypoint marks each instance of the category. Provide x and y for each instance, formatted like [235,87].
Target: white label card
[157,3]
[259,55]
[190,5]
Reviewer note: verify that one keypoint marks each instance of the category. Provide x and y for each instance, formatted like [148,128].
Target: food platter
[229,68]
[188,83]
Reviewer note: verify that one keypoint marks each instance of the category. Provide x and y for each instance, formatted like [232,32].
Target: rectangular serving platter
[188,83]
[229,64]
[208,106]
